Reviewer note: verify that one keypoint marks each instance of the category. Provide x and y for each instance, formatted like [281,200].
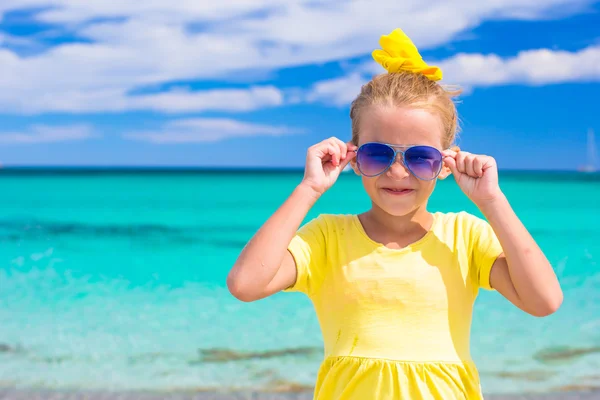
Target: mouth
[398,191]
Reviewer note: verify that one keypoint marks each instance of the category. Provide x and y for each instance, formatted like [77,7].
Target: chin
[397,209]
[399,204]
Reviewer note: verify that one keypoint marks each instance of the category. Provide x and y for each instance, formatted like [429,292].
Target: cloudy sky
[255,82]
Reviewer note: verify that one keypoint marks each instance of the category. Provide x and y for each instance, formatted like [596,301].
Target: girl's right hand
[325,161]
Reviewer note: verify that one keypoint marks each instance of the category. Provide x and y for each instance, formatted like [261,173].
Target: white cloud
[74,11]
[532,67]
[209,100]
[15,41]
[338,91]
[152,43]
[48,134]
[173,101]
[196,130]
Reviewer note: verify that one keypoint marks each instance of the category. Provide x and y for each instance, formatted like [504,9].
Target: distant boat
[591,154]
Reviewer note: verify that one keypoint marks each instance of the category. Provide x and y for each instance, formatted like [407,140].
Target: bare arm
[522,274]
[265,266]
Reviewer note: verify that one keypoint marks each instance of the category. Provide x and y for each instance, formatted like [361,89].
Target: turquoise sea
[116,280]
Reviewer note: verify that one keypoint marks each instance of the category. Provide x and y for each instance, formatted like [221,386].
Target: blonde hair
[408,89]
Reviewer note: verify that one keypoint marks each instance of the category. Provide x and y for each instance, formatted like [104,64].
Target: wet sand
[13,394]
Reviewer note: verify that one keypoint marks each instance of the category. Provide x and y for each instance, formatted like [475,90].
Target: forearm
[261,258]
[530,271]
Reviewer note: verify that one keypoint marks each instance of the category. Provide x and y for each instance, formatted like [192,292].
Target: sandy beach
[10,394]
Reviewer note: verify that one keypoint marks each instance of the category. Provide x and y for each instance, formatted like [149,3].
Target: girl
[394,287]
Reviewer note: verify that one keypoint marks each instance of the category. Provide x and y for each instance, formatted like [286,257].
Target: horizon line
[198,168]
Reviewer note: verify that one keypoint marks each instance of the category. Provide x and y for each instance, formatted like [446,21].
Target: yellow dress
[395,322]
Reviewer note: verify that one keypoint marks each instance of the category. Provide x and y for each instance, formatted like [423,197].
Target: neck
[401,225]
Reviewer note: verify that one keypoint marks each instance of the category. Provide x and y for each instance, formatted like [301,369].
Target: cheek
[370,185]
[426,187]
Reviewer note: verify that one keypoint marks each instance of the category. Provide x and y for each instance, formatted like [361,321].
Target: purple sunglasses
[374,158]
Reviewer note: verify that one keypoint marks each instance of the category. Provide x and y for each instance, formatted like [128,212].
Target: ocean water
[116,280]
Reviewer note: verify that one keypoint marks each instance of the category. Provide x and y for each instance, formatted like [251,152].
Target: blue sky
[254,84]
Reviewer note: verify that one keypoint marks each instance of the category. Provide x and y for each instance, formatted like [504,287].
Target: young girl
[394,287]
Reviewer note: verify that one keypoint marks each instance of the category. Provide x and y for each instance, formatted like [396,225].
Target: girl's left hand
[476,175]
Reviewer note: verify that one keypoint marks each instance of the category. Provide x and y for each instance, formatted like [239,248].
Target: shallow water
[116,280]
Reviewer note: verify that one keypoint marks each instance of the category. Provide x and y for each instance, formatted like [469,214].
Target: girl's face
[397,192]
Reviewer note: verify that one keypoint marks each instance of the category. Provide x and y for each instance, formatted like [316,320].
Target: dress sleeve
[308,247]
[484,248]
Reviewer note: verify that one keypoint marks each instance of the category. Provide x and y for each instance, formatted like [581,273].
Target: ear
[446,172]
[354,166]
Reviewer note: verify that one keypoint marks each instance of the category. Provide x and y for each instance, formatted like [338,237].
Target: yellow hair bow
[400,54]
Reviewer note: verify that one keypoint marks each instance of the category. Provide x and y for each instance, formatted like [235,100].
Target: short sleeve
[308,247]
[484,249]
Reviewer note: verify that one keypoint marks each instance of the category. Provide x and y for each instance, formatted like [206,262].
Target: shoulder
[459,220]
[459,226]
[323,232]
[329,223]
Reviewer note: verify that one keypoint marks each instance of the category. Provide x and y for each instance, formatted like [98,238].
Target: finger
[342,146]
[351,148]
[349,156]
[323,151]
[449,153]
[478,166]
[343,149]
[320,149]
[332,141]
[469,165]
[451,163]
[334,151]
[488,162]
[460,161]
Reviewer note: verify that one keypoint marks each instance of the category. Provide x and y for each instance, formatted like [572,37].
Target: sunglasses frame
[406,147]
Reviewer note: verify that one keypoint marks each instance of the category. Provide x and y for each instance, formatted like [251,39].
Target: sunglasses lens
[374,158]
[424,162]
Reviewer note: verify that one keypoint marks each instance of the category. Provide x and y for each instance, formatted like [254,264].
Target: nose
[398,170]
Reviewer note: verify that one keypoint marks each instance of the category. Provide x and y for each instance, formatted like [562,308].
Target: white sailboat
[590,166]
